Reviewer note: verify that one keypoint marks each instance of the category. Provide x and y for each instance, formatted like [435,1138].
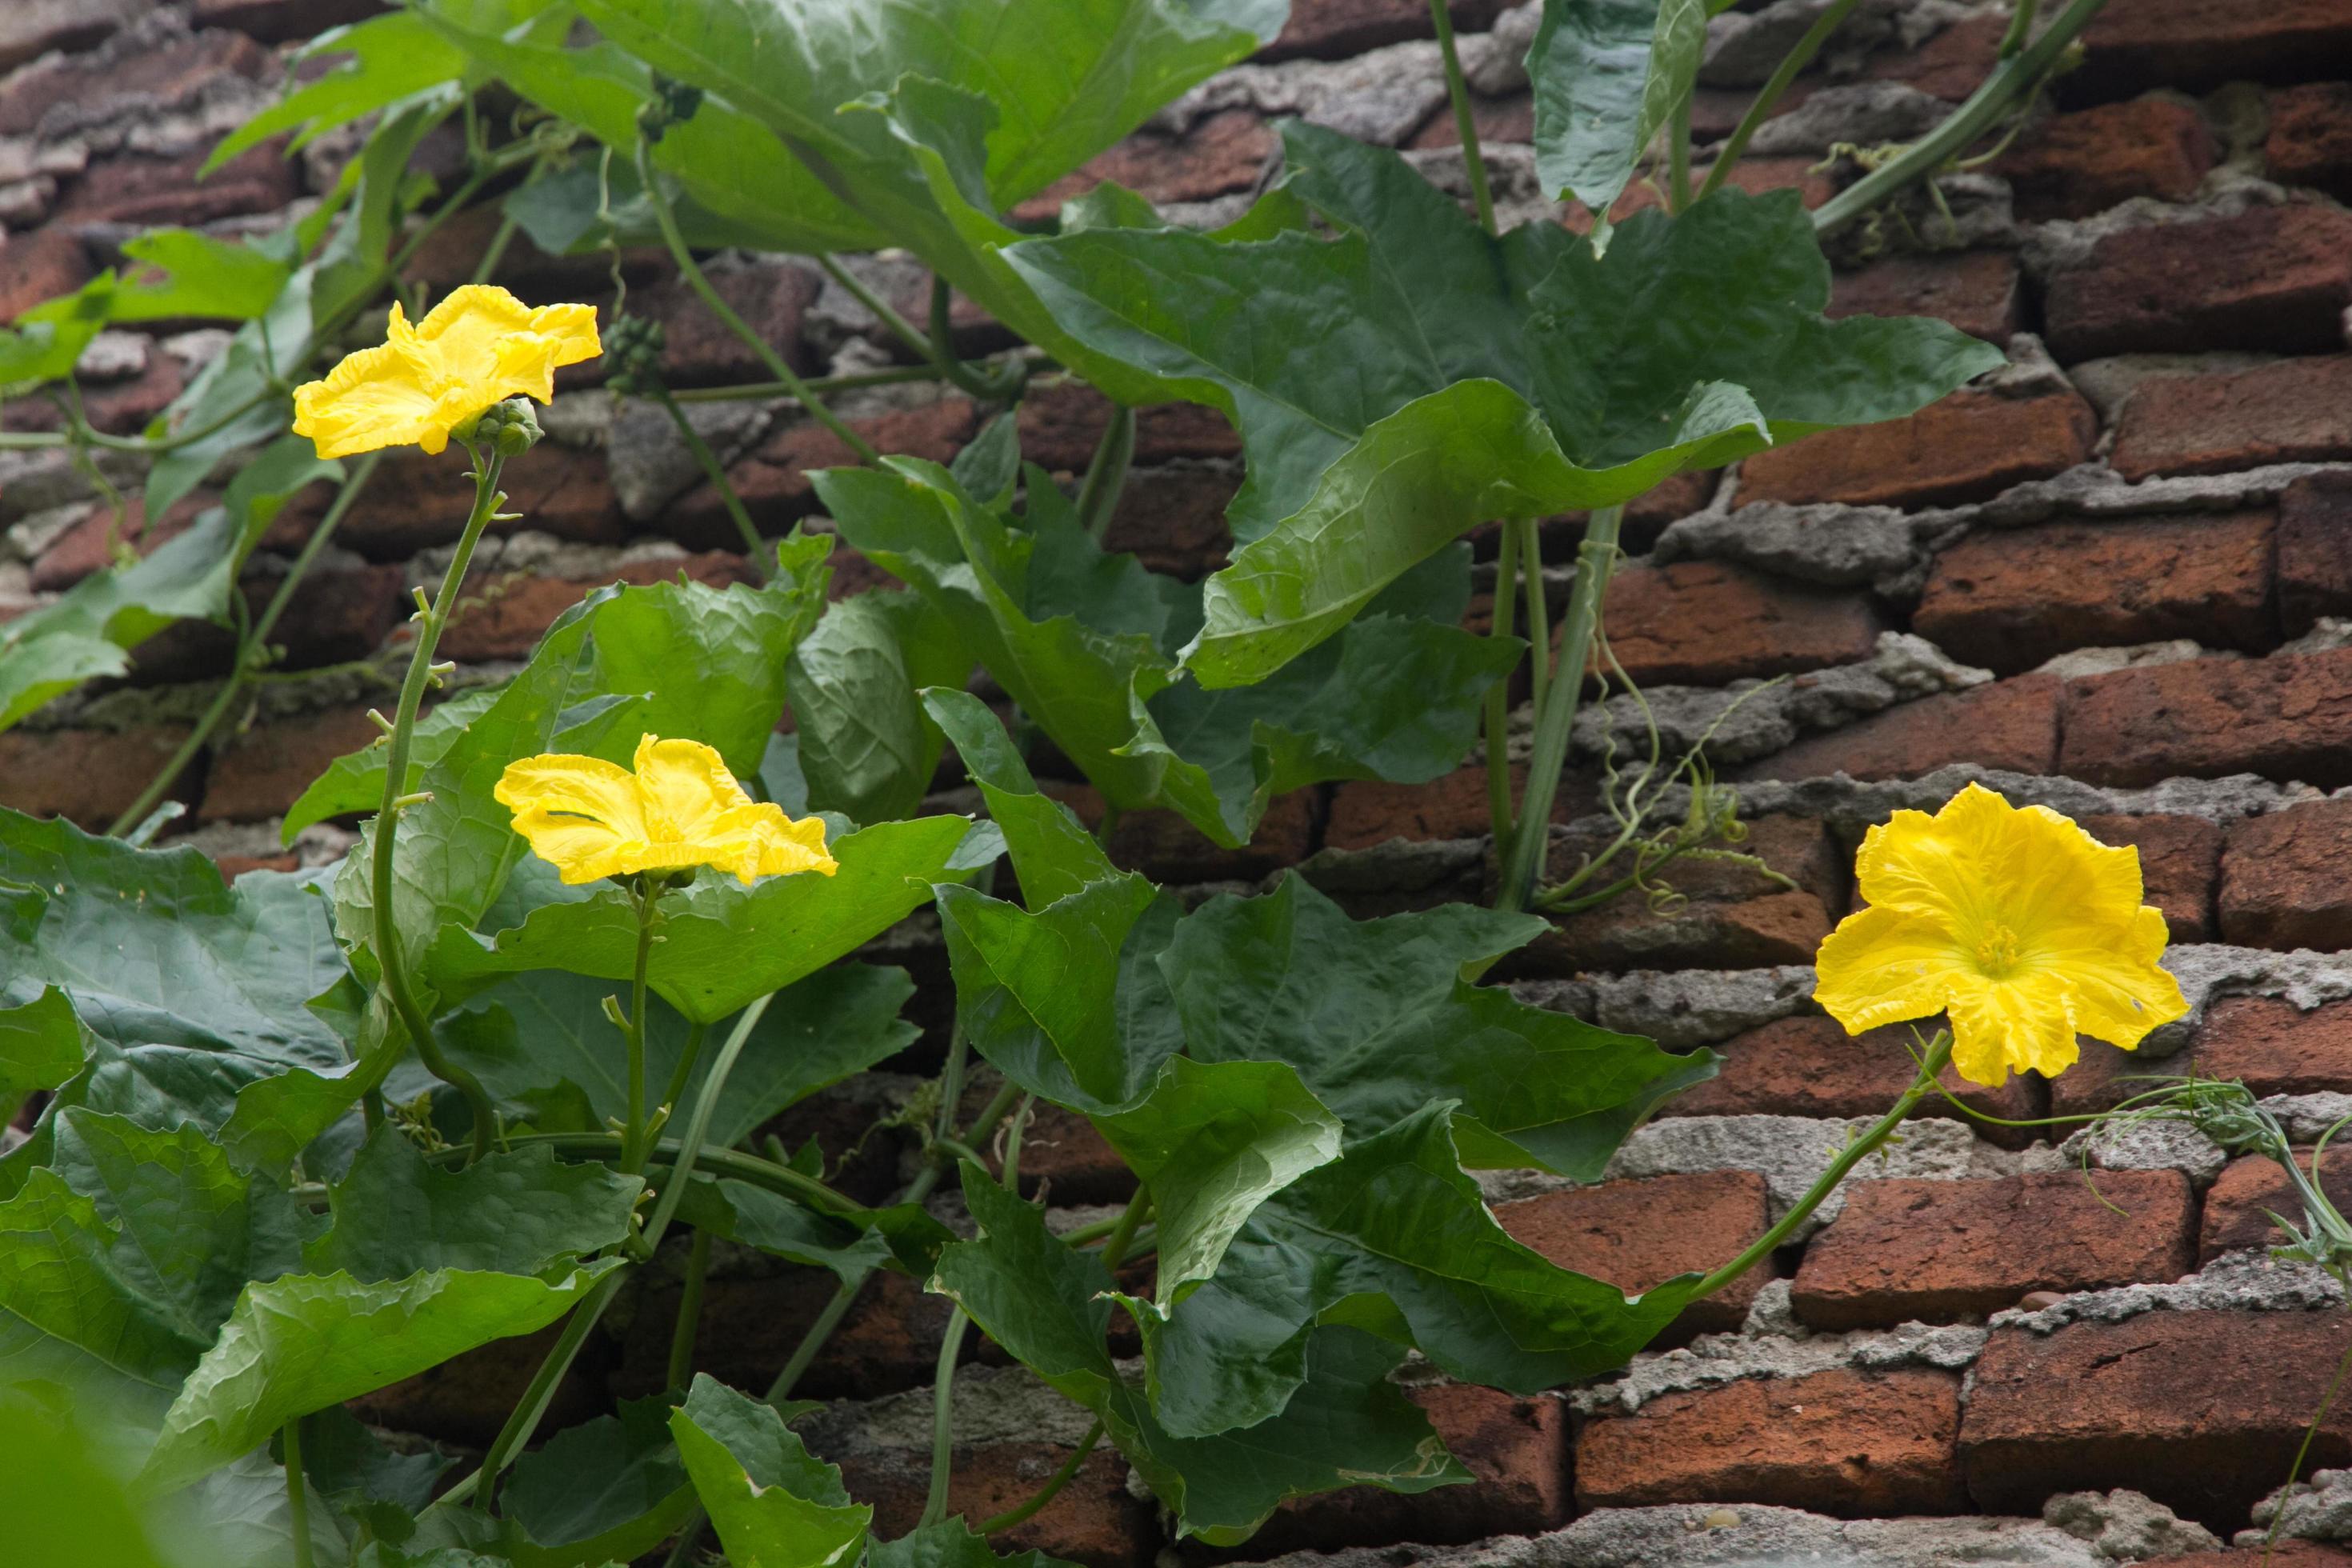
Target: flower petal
[573,328]
[579,813]
[464,331]
[1883,965]
[2112,980]
[687,788]
[374,398]
[2027,1025]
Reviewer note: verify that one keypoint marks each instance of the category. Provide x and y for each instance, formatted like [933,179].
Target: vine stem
[1465,123]
[895,376]
[776,1177]
[935,1503]
[1939,1054]
[689,1310]
[1122,1235]
[298,1494]
[1050,1490]
[2018,67]
[1098,493]
[256,637]
[1596,559]
[691,271]
[633,1132]
[1791,66]
[394,978]
[1498,695]
[698,1127]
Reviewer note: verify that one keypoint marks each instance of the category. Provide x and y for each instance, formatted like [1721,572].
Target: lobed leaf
[773,1503]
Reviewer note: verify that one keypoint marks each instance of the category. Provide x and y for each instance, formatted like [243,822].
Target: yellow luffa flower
[2019,924]
[681,807]
[479,346]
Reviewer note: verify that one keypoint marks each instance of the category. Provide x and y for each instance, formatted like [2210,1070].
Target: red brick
[2315,550]
[2283,882]
[415,503]
[2296,411]
[2103,1077]
[1836,1442]
[1639,1234]
[1062,422]
[1704,623]
[1095,1521]
[39,266]
[1936,1250]
[94,543]
[1366,813]
[452,253]
[1645,518]
[1810,1066]
[133,188]
[2202,1410]
[283,21]
[2273,1048]
[2310,140]
[2010,724]
[2179,865]
[1165,848]
[175,74]
[1969,446]
[699,350]
[1499,119]
[122,409]
[257,774]
[467,1398]
[750,1327]
[1976,291]
[504,616]
[2285,717]
[1224,153]
[2271,277]
[335,614]
[2197,45]
[88,776]
[2011,598]
[30,28]
[1335,29]
[2239,1205]
[1756,176]
[1173,520]
[773,479]
[232,866]
[1950,65]
[2286,1553]
[1064,1159]
[2081,164]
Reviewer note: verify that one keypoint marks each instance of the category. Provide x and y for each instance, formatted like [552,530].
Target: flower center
[1997,951]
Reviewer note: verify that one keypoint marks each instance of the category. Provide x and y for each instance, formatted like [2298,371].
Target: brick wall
[2109,578]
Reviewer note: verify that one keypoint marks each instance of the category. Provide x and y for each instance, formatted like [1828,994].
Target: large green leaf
[739,1211]
[305,1341]
[1606,74]
[353,782]
[866,747]
[951,1543]
[42,1045]
[1381,1019]
[610,1489]
[506,1212]
[774,1503]
[1432,377]
[66,1503]
[1052,852]
[723,944]
[1049,1305]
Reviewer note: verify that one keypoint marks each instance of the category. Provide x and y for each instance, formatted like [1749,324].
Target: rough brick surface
[2286,1553]
[2011,598]
[2310,140]
[1935,1250]
[1367,812]
[699,350]
[2315,551]
[502,615]
[2283,882]
[1335,29]
[2239,1205]
[88,776]
[2202,1410]
[39,266]
[1976,291]
[749,1328]
[1095,1521]
[1173,518]
[1702,623]
[2196,45]
[1951,65]
[2077,164]
[1636,1234]
[1969,446]
[1836,1442]
[415,503]
[2272,278]
[2010,724]
[256,774]
[2296,411]
[2179,865]
[2276,1048]
[772,480]
[276,21]
[2285,717]
[1061,422]
[1224,153]
[467,1398]
[1809,1066]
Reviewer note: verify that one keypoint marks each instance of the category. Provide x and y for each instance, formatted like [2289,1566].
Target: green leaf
[1213,1140]
[305,1341]
[1606,74]
[1049,1305]
[866,747]
[723,944]
[353,782]
[951,1543]
[610,1489]
[391,58]
[64,1502]
[739,1211]
[1435,378]
[197,276]
[42,1045]
[1053,853]
[1395,1239]
[506,1212]
[774,1503]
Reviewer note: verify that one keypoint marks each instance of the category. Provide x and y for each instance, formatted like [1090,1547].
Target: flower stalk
[1523,861]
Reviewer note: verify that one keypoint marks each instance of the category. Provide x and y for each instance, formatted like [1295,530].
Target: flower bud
[509,428]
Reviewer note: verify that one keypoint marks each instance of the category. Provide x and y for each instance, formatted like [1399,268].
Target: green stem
[1050,1490]
[1107,473]
[689,1312]
[430,622]
[754,547]
[1938,1055]
[298,1494]
[1465,123]
[935,1502]
[1768,96]
[532,1409]
[905,331]
[1554,721]
[698,1127]
[256,637]
[633,1130]
[692,272]
[1679,180]
[685,1067]
[1531,580]
[2014,73]
[663,1152]
[1500,623]
[1114,1252]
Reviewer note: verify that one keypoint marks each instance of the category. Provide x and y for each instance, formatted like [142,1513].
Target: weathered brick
[453,253]
[2274,1047]
[2288,1552]
[1063,421]
[415,503]
[88,776]
[29,28]
[2250,1189]
[1756,176]
[2179,865]
[1706,623]
[468,1398]
[1173,518]
[1836,1442]
[2077,164]
[699,350]
[1936,1250]
[1951,65]
[2271,277]
[2202,1410]
[124,408]
[1224,153]
[2196,45]
[2010,724]
[232,866]
[2282,881]
[2296,411]
[503,615]
[1809,1066]
[39,266]
[92,543]
[1645,518]
[1365,813]
[2285,717]
[750,1327]
[1164,846]
[773,479]
[135,188]
[1063,1159]
[172,74]
[281,21]
[1335,29]
[1095,1521]
[2310,140]
[1496,120]
[2011,598]
[1637,1234]
[256,774]
[1976,291]
[2315,550]
[1969,446]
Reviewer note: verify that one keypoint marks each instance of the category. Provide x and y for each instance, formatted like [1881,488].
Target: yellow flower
[2021,926]
[479,346]
[592,818]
